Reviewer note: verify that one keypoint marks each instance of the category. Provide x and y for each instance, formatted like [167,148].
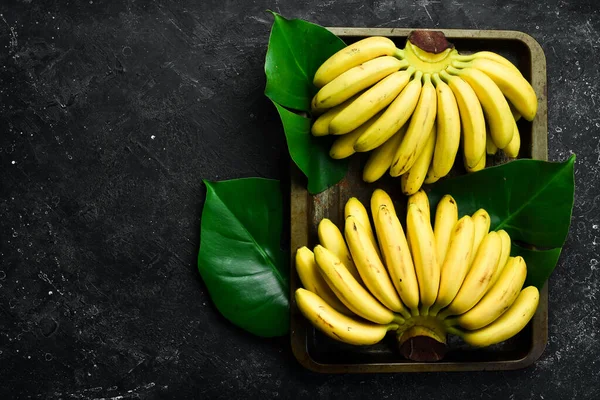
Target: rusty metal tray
[317,352]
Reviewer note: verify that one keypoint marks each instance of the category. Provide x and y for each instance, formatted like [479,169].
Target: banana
[312,280]
[396,256]
[455,265]
[504,255]
[380,198]
[356,209]
[321,125]
[493,102]
[337,325]
[351,56]
[354,80]
[370,102]
[499,298]
[421,200]
[332,239]
[394,117]
[488,55]
[412,180]
[478,278]
[508,325]
[418,130]
[482,222]
[380,159]
[370,267]
[446,217]
[512,149]
[343,146]
[490,147]
[349,291]
[510,82]
[422,246]
[448,128]
[431,176]
[478,167]
[471,118]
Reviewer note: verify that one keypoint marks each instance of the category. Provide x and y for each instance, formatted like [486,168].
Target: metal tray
[317,352]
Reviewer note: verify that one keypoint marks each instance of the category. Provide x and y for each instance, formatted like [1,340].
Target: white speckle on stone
[152,137]
[13,162]
[50,293]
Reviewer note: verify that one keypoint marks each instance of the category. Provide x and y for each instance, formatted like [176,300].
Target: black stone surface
[111,113]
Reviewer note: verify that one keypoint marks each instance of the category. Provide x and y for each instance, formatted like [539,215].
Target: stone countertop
[111,113]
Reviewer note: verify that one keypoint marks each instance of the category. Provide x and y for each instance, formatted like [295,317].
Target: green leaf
[311,154]
[296,50]
[240,259]
[531,199]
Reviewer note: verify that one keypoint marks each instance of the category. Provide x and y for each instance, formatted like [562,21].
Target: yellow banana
[349,291]
[412,180]
[380,198]
[337,325]
[356,209]
[493,102]
[343,146]
[431,176]
[482,222]
[421,200]
[321,125]
[478,278]
[311,279]
[510,82]
[351,56]
[478,167]
[422,246]
[498,299]
[370,267]
[396,256]
[354,80]
[418,130]
[393,118]
[448,128]
[471,118]
[380,159]
[488,55]
[455,265]
[370,102]
[446,217]
[490,147]
[508,325]
[512,149]
[332,239]
[504,255]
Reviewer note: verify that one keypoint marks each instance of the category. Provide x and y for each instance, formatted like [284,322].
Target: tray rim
[299,199]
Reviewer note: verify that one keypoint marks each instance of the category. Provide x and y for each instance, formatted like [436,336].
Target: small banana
[446,217]
[412,180]
[504,255]
[498,299]
[455,265]
[508,325]
[418,130]
[394,117]
[421,200]
[354,80]
[422,246]
[396,256]
[370,267]
[478,167]
[493,102]
[489,55]
[356,209]
[512,149]
[478,278]
[352,56]
[343,146]
[311,279]
[337,325]
[448,128]
[431,177]
[490,147]
[349,291]
[511,83]
[332,239]
[321,125]
[380,159]
[471,118]
[380,198]
[370,102]
[482,222]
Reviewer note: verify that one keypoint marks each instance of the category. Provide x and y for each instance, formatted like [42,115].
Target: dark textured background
[111,113]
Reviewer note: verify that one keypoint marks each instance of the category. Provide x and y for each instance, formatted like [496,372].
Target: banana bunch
[413,108]
[453,276]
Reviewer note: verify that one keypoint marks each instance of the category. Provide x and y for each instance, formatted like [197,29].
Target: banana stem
[399,54]
[404,64]
[460,64]
[463,57]
[450,322]
[400,319]
[455,331]
[393,327]
[452,70]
